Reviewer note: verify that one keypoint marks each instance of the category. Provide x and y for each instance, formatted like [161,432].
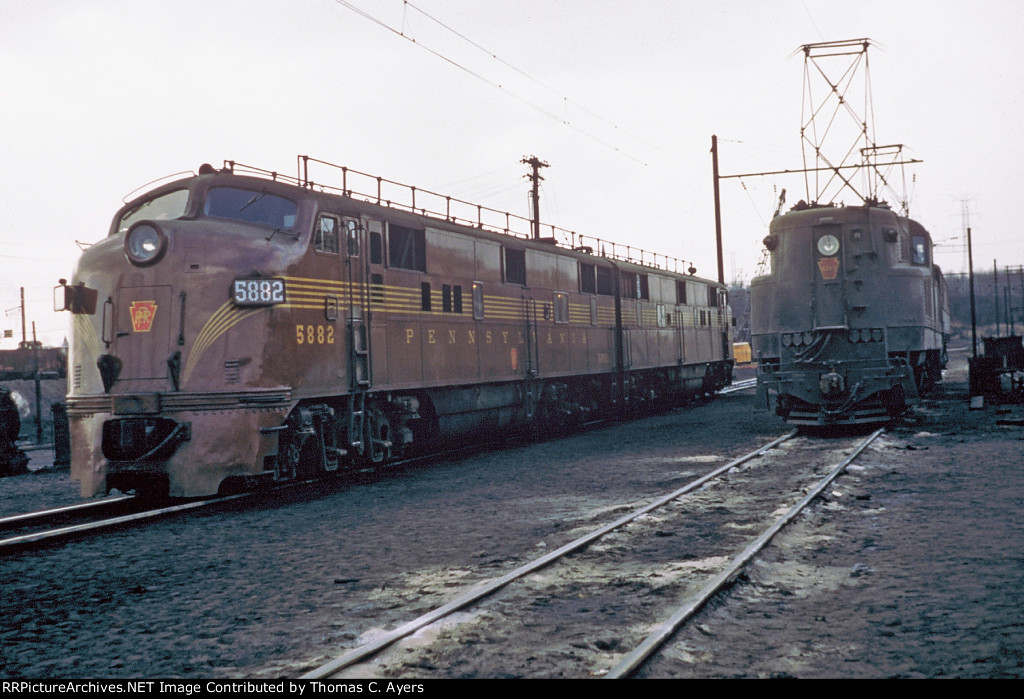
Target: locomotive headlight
[828,245]
[144,243]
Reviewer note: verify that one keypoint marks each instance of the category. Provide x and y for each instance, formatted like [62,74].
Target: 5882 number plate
[258,292]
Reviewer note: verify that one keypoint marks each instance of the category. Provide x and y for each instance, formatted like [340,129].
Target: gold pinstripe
[307,293]
[222,319]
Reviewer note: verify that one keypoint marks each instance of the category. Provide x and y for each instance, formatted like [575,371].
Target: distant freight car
[22,363]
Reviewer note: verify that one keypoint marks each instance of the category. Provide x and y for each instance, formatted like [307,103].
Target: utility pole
[24,337]
[974,315]
[39,393]
[718,209]
[995,294]
[536,164]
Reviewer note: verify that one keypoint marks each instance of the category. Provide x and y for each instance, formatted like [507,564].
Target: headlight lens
[144,243]
[828,245]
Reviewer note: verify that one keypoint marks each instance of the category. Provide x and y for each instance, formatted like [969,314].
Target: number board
[258,291]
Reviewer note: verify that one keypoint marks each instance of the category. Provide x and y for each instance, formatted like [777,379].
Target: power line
[529,77]
[499,86]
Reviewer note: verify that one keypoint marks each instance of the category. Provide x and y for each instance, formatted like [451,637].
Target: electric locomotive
[238,326]
[851,322]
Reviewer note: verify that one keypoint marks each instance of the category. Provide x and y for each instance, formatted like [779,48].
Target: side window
[561,307]
[325,238]
[605,281]
[593,311]
[662,316]
[515,266]
[407,248]
[457,299]
[643,290]
[588,279]
[425,296]
[478,301]
[376,248]
[681,293]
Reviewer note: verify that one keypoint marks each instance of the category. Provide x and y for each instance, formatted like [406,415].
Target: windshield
[250,206]
[162,208]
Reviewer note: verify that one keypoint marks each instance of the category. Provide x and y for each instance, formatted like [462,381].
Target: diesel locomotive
[238,326]
[850,324]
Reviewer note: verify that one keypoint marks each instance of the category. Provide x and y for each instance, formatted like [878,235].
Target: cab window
[326,237]
[163,208]
[250,206]
[919,250]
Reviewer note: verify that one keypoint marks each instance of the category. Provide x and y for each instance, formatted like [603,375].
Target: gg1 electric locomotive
[239,325]
[851,322]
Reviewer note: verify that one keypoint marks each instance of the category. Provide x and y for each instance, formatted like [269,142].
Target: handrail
[389,193]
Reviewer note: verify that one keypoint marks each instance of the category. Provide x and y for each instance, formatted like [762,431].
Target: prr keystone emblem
[829,267]
[142,313]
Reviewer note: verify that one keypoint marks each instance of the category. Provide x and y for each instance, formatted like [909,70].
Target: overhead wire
[546,112]
[566,99]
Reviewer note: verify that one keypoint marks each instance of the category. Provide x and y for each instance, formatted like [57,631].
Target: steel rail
[76,529]
[487,587]
[666,629]
[20,519]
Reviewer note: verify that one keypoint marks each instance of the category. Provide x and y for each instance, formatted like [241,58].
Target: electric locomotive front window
[919,250]
[250,206]
[163,208]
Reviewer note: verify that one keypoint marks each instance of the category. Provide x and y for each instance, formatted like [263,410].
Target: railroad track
[45,527]
[692,542]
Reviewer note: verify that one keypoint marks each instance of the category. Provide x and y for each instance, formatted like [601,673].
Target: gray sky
[98,97]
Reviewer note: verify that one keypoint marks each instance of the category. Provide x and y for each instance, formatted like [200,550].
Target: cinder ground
[914,566]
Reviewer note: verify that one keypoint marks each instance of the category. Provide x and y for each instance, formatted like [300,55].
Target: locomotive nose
[831,384]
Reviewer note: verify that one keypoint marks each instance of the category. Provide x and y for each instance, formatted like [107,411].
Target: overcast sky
[98,97]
